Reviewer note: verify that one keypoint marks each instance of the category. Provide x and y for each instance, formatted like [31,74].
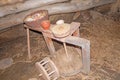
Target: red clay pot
[45,24]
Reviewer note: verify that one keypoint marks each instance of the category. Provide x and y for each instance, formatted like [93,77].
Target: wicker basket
[36,23]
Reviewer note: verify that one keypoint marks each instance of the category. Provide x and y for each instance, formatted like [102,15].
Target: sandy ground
[103,31]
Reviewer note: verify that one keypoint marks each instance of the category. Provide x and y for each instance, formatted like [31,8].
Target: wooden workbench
[73,38]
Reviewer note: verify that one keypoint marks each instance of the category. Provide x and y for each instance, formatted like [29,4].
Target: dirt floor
[103,31]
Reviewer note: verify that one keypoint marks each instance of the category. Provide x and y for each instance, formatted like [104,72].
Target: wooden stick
[28,43]
[66,50]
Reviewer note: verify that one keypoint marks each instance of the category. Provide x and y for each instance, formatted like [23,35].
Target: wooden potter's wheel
[70,65]
[61,30]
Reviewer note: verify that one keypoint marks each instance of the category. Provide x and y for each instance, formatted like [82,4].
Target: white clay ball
[60,22]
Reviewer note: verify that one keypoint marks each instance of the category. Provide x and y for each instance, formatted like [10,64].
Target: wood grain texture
[8,2]
[29,4]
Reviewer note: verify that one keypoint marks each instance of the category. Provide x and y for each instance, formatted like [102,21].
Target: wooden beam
[28,4]
[115,7]
[8,2]
[16,19]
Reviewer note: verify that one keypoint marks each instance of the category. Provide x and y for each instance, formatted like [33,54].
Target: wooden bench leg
[86,58]
[85,53]
[50,45]
[28,43]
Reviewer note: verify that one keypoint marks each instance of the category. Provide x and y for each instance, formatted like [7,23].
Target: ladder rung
[51,73]
[47,70]
[44,63]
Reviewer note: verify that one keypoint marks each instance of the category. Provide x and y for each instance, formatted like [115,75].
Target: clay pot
[45,24]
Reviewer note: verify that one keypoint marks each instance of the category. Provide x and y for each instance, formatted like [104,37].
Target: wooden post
[28,43]
[50,45]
